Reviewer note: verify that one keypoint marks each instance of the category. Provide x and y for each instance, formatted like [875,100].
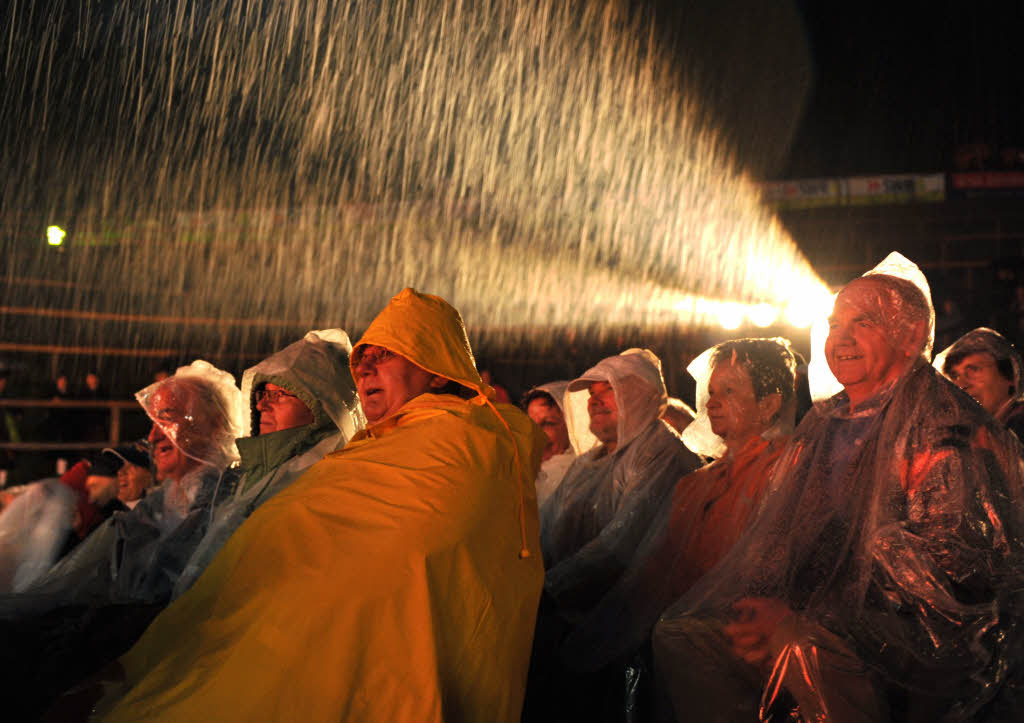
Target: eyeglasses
[273,396]
[372,356]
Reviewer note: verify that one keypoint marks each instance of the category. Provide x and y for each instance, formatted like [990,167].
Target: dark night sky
[899,85]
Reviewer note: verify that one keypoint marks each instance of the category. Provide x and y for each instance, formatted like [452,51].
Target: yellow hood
[429,332]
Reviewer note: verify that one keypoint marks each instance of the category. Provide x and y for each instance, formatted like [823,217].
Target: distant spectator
[94,389]
[500,393]
[543,405]
[92,423]
[61,388]
[60,421]
[987,366]
[134,475]
[949,323]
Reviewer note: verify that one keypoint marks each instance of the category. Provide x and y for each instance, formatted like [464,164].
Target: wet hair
[770,363]
[535,394]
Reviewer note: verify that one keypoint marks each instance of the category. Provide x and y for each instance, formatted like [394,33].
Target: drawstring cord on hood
[481,399]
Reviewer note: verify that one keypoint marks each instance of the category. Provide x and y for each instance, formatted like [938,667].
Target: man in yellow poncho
[396,580]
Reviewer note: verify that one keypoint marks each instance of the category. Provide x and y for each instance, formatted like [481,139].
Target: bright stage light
[763,315]
[730,316]
[55,235]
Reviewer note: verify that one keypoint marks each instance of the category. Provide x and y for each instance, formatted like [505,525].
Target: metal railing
[114,407]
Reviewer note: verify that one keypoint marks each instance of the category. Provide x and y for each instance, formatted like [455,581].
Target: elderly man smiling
[880,580]
[396,580]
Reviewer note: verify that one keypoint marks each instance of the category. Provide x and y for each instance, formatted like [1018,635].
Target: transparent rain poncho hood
[553,469]
[985,341]
[556,390]
[698,435]
[640,395]
[899,312]
[200,410]
[591,525]
[709,510]
[896,527]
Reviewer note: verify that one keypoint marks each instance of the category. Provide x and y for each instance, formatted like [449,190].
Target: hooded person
[746,403]
[303,405]
[544,405]
[92,605]
[396,580]
[136,555]
[882,579]
[591,526]
[987,366]
[629,460]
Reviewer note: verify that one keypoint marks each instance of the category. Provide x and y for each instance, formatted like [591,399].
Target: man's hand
[757,619]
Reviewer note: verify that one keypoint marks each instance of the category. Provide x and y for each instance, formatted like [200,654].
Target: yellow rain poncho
[388,583]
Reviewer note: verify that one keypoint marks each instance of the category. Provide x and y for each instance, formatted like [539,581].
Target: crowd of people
[370,533]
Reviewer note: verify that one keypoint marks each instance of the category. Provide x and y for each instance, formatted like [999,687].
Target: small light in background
[55,235]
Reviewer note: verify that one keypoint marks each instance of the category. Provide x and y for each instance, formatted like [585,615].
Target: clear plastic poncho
[592,523]
[138,554]
[709,510]
[316,370]
[553,469]
[200,410]
[894,535]
[33,528]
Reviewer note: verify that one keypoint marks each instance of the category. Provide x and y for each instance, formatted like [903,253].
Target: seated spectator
[47,519]
[593,523]
[987,366]
[543,405]
[746,402]
[134,476]
[396,580]
[881,580]
[303,405]
[96,601]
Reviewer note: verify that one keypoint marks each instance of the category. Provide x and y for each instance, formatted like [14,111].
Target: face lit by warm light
[860,351]
[546,414]
[733,409]
[280,409]
[132,482]
[604,414]
[979,376]
[168,408]
[385,381]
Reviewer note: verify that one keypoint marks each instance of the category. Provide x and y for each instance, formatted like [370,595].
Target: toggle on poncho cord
[385,584]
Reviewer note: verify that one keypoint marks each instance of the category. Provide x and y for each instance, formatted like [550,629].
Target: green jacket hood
[315,369]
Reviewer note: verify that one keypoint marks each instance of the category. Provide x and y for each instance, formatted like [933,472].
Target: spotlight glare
[763,315]
[730,316]
[55,235]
